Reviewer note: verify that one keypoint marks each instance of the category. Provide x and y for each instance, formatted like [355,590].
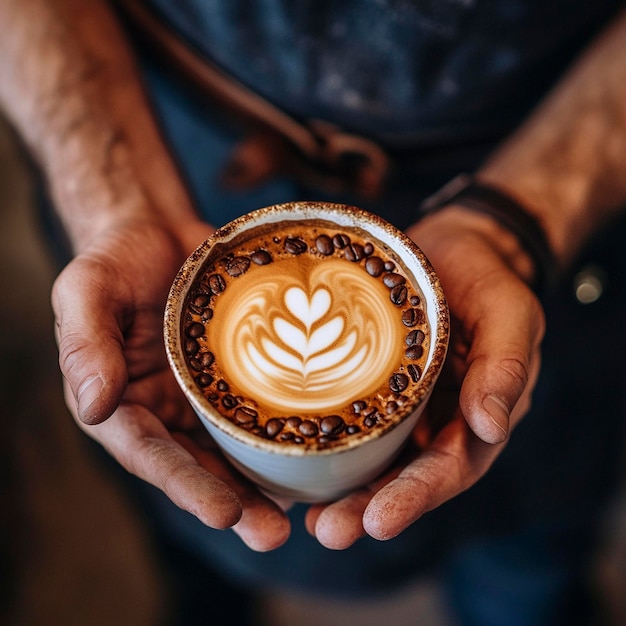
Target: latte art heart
[308,348]
[307,311]
[306,342]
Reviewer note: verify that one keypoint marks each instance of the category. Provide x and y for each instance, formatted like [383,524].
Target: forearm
[567,164]
[69,83]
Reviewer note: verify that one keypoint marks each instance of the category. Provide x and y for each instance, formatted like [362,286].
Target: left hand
[109,309]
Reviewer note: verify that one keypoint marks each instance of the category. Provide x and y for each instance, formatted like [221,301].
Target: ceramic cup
[308,338]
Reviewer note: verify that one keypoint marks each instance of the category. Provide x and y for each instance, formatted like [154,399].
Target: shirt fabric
[410,71]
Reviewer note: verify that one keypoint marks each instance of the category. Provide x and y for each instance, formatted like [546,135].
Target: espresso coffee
[305,333]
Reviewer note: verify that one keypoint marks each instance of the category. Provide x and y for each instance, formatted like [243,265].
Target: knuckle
[516,368]
[71,354]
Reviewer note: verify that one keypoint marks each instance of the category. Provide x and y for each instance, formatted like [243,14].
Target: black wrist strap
[464,190]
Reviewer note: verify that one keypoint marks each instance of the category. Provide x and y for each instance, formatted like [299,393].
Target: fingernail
[88,393]
[498,411]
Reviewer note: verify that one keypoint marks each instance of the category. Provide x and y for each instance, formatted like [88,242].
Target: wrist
[443,233]
[512,230]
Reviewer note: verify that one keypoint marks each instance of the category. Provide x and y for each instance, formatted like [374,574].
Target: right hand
[484,391]
[109,304]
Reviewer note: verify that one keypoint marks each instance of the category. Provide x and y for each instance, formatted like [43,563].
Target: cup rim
[340,214]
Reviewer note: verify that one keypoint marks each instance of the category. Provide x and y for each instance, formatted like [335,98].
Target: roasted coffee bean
[398,295]
[229,401]
[195,330]
[298,439]
[391,407]
[412,317]
[245,415]
[237,265]
[308,428]
[199,303]
[390,266]
[217,283]
[354,252]
[294,421]
[358,406]
[332,425]
[207,359]
[201,300]
[398,382]
[374,266]
[222,386]
[286,436]
[195,364]
[191,347]
[415,338]
[261,257]
[207,314]
[273,427]
[293,245]
[369,411]
[414,372]
[391,280]
[414,300]
[213,398]
[204,380]
[353,429]
[368,249]
[322,439]
[324,245]
[370,421]
[341,240]
[414,352]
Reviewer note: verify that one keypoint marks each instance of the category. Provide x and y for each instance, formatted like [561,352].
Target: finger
[263,525]
[141,444]
[90,341]
[338,525]
[502,364]
[496,389]
[455,461]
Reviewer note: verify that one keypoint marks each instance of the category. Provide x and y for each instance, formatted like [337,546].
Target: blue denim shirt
[416,71]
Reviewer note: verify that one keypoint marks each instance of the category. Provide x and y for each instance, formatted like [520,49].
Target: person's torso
[415,71]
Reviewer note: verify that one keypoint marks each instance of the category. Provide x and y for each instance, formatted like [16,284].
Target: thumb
[492,387]
[90,342]
[504,364]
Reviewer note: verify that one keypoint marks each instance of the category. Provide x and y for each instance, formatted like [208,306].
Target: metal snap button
[589,284]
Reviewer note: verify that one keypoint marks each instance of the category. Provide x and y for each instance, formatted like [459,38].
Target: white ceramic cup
[294,471]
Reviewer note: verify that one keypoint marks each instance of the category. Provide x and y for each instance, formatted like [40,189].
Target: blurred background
[72,550]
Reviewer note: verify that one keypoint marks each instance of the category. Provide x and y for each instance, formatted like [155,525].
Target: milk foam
[306,340]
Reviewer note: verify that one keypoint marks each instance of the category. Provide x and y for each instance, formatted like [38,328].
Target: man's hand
[87,121]
[109,305]
[565,164]
[484,390]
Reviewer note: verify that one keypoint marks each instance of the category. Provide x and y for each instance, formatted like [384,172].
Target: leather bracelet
[464,190]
